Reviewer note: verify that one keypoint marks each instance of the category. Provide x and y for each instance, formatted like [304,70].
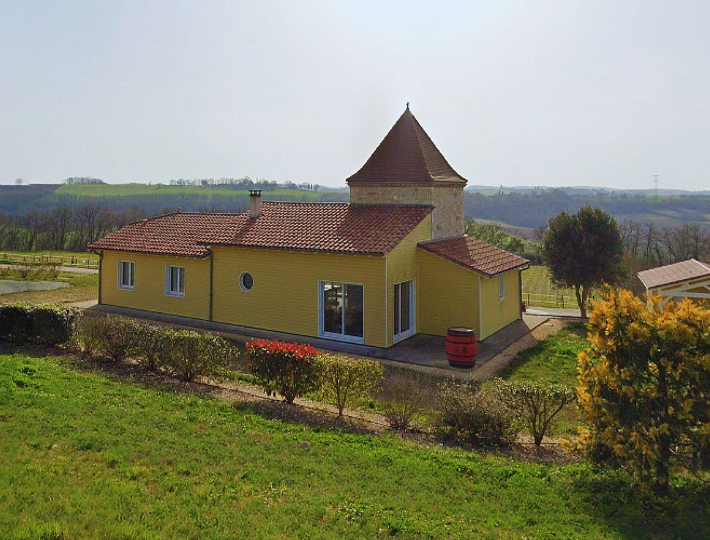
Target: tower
[407,168]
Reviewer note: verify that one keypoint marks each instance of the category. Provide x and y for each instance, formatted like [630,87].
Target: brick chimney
[254,203]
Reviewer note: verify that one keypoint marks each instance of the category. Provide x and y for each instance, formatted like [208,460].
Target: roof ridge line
[704,265]
[418,128]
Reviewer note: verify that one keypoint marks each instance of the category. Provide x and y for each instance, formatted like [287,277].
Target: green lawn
[553,360]
[87,455]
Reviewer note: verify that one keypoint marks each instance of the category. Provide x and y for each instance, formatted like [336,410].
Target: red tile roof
[326,227]
[172,234]
[475,255]
[674,273]
[406,155]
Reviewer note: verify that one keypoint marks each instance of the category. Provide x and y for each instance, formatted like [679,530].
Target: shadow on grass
[552,349]
[610,496]
[296,414]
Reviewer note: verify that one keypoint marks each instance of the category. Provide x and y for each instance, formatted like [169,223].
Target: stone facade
[447,199]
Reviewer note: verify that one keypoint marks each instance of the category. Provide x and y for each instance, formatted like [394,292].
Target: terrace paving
[420,352]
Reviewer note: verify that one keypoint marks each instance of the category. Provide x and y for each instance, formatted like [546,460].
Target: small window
[246,281]
[175,281]
[126,275]
[501,287]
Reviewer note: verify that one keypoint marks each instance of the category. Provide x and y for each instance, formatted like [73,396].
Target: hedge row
[43,325]
[184,353]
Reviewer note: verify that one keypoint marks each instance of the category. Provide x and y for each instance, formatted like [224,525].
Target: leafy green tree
[495,235]
[644,386]
[584,250]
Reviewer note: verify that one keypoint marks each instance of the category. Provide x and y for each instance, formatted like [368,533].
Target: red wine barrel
[461,347]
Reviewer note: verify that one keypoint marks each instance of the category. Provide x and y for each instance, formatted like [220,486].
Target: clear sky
[596,93]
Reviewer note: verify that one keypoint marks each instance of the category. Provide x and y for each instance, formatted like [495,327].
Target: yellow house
[392,263]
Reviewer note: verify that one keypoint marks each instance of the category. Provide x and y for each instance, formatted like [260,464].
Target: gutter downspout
[387,306]
[480,292]
[520,289]
[101,261]
[211,278]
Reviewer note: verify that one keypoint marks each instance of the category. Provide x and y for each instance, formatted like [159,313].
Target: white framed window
[175,280]
[246,281]
[126,275]
[501,287]
[403,310]
[342,311]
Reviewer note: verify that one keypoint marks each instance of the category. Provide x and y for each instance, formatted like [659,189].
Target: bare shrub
[344,379]
[194,354]
[535,405]
[152,345]
[474,416]
[112,336]
[403,395]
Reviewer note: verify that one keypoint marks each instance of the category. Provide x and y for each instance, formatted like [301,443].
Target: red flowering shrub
[288,369]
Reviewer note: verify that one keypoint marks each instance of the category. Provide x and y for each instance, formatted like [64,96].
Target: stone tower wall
[447,218]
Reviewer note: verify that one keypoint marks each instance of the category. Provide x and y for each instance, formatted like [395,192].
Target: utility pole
[655,184]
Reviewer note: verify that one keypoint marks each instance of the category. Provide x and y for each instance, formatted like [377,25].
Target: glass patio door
[342,311]
[403,310]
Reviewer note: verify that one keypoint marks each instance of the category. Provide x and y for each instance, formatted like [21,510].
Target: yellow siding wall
[149,292]
[402,266]
[286,288]
[495,313]
[447,296]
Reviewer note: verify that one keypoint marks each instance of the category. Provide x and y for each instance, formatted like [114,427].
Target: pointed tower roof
[406,156]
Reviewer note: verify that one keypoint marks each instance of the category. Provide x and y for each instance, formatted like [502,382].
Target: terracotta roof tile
[475,255]
[406,155]
[673,273]
[327,227]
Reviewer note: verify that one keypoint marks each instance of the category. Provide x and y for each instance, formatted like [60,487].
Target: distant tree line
[62,229]
[244,183]
[646,245]
[542,205]
[83,181]
[496,235]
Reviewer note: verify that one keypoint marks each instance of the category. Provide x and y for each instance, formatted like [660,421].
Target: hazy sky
[512,92]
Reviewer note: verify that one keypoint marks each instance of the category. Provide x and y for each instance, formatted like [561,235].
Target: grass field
[65,258]
[124,190]
[538,290]
[82,287]
[89,455]
[553,360]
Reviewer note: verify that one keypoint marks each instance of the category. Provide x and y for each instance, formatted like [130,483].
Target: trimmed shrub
[114,337]
[53,325]
[44,325]
[535,405]
[15,323]
[472,416]
[403,395]
[193,354]
[152,345]
[343,379]
[288,369]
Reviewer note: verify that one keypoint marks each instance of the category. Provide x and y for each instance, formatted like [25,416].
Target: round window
[246,281]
